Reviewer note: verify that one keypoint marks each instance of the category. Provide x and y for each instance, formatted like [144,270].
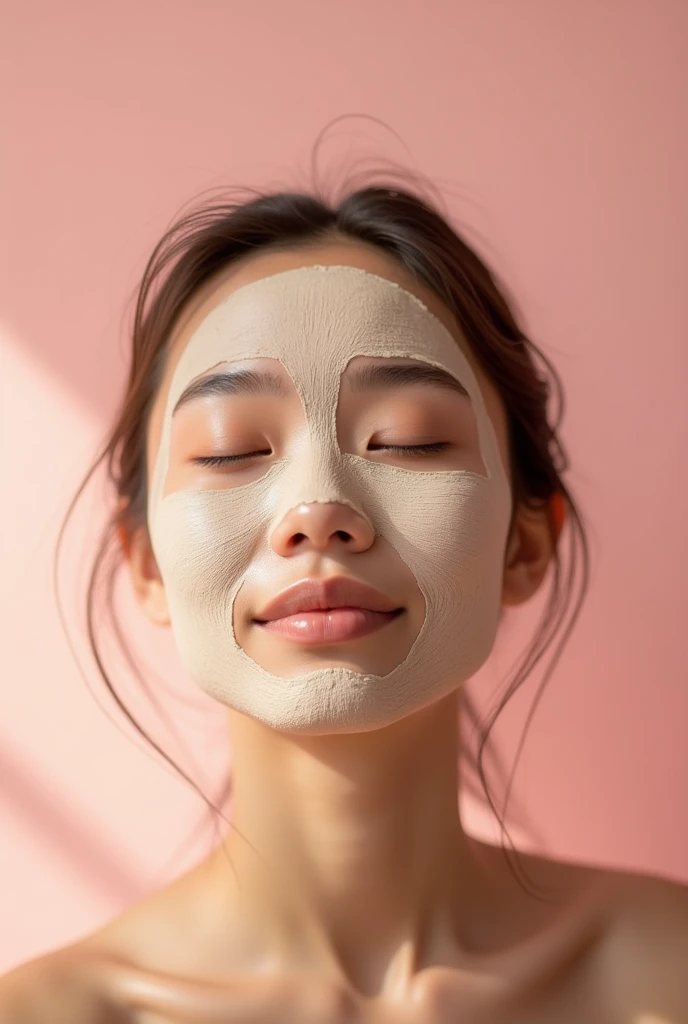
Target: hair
[411,229]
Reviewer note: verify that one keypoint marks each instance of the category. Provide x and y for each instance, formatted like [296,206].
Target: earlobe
[147,583]
[154,604]
[528,555]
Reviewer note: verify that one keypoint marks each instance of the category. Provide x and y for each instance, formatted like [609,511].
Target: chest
[447,997]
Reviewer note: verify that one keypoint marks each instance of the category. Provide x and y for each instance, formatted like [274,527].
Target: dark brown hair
[410,228]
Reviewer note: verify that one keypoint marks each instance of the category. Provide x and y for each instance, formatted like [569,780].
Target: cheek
[205,539]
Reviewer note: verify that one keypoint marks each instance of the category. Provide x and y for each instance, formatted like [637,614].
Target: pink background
[557,131]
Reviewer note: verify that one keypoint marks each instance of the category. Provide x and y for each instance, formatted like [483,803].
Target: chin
[362,656]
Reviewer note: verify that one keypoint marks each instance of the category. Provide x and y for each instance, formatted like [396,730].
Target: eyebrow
[398,375]
[364,378]
[233,382]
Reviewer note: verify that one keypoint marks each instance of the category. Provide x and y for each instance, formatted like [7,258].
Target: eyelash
[406,449]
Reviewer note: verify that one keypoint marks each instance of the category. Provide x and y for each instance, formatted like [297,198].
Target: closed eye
[406,449]
[412,449]
[221,460]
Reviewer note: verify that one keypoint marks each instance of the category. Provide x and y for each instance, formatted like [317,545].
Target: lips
[321,595]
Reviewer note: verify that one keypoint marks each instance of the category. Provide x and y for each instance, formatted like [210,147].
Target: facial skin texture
[447,523]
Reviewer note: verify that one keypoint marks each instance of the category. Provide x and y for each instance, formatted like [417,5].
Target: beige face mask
[449,526]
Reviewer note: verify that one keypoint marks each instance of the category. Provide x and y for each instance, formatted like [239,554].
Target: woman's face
[318,538]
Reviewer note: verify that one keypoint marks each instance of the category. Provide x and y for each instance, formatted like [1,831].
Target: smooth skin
[356,894]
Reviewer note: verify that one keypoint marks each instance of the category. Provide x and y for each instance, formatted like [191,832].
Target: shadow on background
[81,849]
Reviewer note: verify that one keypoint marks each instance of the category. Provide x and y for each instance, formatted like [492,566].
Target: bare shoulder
[59,988]
[640,958]
[645,952]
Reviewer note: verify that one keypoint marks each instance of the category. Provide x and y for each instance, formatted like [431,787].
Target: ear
[530,549]
[145,575]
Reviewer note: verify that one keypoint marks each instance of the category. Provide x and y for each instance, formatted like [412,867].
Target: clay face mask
[448,526]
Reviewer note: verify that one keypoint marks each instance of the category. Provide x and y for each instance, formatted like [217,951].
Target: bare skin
[354,892]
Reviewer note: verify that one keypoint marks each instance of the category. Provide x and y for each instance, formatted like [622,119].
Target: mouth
[327,611]
[329,625]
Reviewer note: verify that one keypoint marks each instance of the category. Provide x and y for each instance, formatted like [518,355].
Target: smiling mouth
[329,625]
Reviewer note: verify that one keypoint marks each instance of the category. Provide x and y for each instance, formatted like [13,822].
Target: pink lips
[327,611]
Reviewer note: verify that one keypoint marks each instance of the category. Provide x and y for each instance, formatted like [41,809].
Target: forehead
[341,253]
[226,283]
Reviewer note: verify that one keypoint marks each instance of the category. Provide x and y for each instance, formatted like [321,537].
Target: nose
[321,525]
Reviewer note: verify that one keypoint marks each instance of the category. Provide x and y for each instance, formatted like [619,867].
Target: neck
[351,846]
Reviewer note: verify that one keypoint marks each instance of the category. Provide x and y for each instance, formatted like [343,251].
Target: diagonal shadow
[46,813]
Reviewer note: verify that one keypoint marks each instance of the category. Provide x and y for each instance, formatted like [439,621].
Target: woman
[334,470]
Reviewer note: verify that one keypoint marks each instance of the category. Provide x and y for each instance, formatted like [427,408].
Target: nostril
[297,538]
